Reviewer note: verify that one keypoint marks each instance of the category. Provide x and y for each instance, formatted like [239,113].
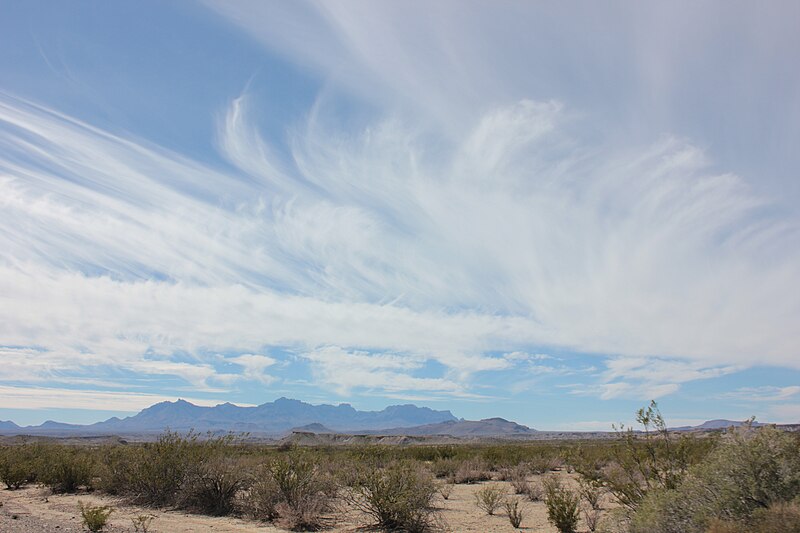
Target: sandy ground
[36,510]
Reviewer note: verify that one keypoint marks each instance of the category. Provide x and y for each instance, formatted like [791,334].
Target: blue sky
[547,212]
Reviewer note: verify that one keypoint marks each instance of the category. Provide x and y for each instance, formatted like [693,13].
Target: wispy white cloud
[647,378]
[369,251]
[762,394]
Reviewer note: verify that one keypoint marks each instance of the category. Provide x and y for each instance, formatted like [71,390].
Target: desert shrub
[212,485]
[65,469]
[750,471]
[94,518]
[543,464]
[263,496]
[514,512]
[518,472]
[293,489]
[15,467]
[490,497]
[445,467]
[398,497]
[156,472]
[591,515]
[645,461]
[562,505]
[591,492]
[141,523]
[520,486]
[780,518]
[472,471]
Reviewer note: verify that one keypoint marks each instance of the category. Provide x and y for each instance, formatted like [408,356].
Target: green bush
[398,497]
[562,505]
[155,473]
[15,467]
[65,469]
[94,518]
[751,470]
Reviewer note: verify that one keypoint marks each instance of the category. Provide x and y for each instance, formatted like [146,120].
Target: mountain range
[272,418]
[284,416]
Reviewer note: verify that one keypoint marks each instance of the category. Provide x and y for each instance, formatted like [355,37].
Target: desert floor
[35,510]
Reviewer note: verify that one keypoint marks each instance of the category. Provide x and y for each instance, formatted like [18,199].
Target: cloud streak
[368,251]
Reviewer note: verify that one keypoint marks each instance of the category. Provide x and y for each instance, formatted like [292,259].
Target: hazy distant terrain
[284,417]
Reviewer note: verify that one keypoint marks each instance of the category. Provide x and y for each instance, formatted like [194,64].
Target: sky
[547,212]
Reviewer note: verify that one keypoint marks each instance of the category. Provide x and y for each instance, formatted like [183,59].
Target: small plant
[445,489]
[514,513]
[562,506]
[490,497]
[520,486]
[591,492]
[141,523]
[95,518]
[591,516]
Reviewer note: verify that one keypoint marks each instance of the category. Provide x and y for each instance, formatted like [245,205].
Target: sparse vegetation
[650,481]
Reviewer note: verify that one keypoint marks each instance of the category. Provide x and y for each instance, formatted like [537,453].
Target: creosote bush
[750,472]
[65,468]
[94,518]
[292,488]
[490,497]
[15,467]
[141,523]
[472,471]
[398,497]
[514,512]
[212,485]
[562,505]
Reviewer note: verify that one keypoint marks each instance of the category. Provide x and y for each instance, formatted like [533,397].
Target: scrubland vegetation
[747,480]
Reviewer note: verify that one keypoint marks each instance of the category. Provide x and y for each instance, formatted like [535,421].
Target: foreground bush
[490,497]
[562,506]
[750,473]
[65,469]
[212,486]
[15,467]
[514,512]
[292,488]
[94,518]
[398,497]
